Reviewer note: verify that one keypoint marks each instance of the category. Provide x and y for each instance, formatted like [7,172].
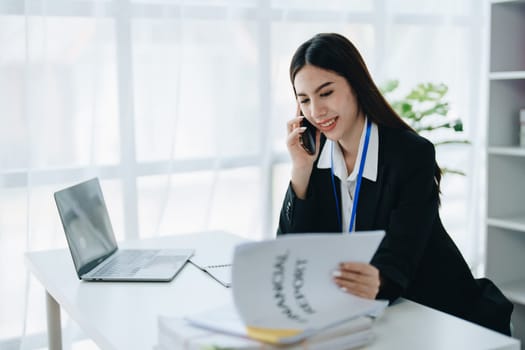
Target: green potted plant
[426,110]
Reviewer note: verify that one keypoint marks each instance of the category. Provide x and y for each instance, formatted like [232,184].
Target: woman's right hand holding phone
[302,161]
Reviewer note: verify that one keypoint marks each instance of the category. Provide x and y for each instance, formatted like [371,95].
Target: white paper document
[283,289]
[176,333]
[217,262]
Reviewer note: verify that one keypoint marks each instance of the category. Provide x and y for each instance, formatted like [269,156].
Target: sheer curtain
[179,107]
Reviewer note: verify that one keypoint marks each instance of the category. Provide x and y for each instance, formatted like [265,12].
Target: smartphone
[308,137]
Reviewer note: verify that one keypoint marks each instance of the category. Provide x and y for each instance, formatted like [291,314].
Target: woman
[371,171]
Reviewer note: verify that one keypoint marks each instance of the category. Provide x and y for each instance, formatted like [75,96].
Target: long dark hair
[336,53]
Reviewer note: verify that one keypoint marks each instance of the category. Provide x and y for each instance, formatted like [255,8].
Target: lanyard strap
[358,183]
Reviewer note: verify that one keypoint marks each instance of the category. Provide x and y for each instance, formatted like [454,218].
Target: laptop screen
[86,223]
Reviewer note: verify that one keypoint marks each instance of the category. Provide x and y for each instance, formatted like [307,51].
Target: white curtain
[180,108]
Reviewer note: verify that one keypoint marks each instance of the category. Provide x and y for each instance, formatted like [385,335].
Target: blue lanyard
[358,183]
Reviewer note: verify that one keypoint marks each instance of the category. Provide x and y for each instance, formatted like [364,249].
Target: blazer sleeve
[411,220]
[297,215]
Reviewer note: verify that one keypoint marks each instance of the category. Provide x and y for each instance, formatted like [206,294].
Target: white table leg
[54,326]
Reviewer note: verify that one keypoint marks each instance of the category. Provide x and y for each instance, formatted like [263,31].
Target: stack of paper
[284,296]
[176,333]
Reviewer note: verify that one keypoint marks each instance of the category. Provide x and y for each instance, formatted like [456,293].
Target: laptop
[93,246]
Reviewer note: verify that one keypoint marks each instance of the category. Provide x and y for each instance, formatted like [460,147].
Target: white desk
[124,315]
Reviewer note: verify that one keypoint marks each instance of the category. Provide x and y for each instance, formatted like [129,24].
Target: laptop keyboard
[126,263]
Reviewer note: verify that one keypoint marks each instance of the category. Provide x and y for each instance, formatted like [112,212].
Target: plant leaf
[450,142]
[389,86]
[452,171]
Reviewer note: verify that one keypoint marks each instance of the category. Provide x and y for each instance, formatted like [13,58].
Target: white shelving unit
[505,158]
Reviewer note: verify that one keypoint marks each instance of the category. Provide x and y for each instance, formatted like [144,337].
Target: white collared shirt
[348,182]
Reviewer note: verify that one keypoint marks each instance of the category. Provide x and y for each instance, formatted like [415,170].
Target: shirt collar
[372,155]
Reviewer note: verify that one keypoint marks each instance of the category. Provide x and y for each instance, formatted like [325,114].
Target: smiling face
[328,102]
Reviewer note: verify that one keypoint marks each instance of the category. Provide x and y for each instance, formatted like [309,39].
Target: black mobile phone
[308,137]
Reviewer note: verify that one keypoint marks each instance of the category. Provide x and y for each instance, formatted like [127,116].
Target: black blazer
[417,259]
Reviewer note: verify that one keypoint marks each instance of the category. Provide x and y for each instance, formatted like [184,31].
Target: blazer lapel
[369,195]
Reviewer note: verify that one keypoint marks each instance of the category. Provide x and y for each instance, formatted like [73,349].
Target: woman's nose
[318,110]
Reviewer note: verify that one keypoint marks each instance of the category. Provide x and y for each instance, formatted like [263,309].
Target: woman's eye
[325,94]
[306,100]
